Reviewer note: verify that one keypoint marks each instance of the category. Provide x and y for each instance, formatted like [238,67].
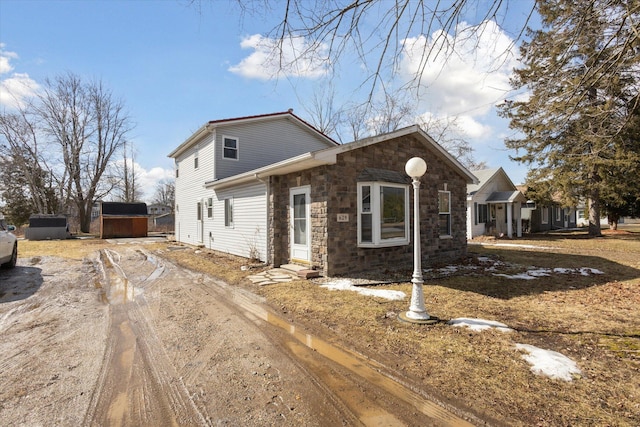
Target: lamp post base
[428,321]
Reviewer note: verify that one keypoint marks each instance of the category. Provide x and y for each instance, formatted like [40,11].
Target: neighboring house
[158,209]
[494,205]
[338,209]
[551,215]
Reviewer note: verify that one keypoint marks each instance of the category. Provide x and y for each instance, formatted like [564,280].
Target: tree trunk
[594,214]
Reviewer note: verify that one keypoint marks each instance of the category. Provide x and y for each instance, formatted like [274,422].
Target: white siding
[248,236]
[190,188]
[496,183]
[263,143]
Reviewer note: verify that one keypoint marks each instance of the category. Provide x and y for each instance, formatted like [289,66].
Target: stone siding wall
[334,191]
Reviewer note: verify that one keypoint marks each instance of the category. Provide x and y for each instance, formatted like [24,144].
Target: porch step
[294,267]
[308,274]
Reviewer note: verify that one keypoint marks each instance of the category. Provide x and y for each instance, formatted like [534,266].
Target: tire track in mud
[137,384]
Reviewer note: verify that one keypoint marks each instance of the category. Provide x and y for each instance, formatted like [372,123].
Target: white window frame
[228,212]
[544,213]
[447,212]
[196,161]
[375,211]
[210,207]
[559,212]
[224,147]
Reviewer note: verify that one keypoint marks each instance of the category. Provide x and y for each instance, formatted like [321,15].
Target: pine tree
[582,72]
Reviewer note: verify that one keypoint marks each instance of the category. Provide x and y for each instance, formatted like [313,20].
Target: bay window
[383,214]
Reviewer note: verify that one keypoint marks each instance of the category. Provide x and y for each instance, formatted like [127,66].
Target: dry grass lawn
[593,318]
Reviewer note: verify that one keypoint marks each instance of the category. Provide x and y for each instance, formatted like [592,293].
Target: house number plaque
[343,217]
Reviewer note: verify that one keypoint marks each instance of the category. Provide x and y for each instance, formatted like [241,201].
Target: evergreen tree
[582,72]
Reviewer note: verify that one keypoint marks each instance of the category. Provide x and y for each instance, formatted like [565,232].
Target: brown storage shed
[123,220]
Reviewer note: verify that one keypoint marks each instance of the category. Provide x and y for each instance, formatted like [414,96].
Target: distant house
[494,205]
[550,215]
[334,208]
[157,209]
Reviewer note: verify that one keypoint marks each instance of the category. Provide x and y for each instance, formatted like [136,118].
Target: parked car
[8,246]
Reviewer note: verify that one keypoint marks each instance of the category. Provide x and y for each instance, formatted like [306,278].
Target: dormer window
[230,147]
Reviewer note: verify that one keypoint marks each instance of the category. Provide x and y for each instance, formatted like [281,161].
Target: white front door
[199,221]
[300,225]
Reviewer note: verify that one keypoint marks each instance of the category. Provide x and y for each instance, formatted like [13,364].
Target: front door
[199,222]
[299,228]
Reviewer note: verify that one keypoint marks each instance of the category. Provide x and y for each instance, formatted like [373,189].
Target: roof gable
[221,123]
[487,176]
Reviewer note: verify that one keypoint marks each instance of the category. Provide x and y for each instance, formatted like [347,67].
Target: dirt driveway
[124,337]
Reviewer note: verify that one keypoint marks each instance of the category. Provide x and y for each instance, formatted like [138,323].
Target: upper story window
[383,214]
[195,159]
[444,211]
[230,147]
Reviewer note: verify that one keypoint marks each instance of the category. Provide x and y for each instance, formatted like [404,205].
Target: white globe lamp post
[416,168]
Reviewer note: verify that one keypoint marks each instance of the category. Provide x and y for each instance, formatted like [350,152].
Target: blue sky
[177,67]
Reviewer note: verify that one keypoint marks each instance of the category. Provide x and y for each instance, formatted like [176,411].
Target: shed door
[299,229]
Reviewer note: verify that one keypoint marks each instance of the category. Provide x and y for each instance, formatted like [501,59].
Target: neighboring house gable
[348,208]
[494,205]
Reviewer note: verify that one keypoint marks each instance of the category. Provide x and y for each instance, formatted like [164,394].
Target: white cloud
[5,58]
[149,179]
[295,57]
[14,89]
[466,74]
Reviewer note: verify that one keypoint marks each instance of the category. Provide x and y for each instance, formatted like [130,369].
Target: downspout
[266,183]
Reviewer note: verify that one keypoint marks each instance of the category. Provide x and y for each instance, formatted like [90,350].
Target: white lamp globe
[415,167]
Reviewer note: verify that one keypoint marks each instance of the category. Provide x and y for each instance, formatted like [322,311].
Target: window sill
[446,237]
[383,245]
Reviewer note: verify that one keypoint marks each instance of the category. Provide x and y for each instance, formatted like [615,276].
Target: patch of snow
[479,324]
[585,271]
[541,272]
[347,285]
[523,276]
[550,363]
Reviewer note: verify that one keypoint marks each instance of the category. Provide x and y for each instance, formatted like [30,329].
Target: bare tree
[323,113]
[375,31]
[125,177]
[28,151]
[165,194]
[446,132]
[71,131]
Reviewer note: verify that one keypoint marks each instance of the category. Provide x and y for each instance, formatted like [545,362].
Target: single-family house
[338,208]
[551,215]
[157,209]
[494,205]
